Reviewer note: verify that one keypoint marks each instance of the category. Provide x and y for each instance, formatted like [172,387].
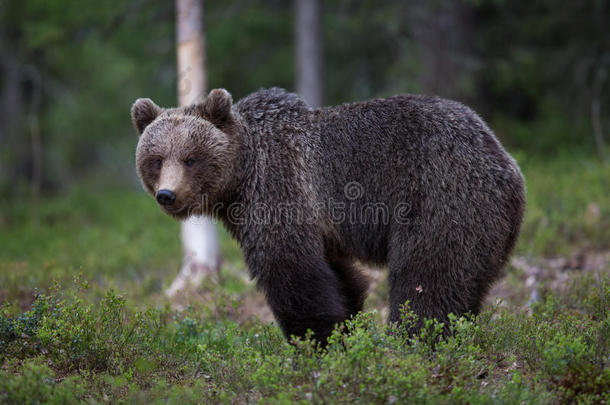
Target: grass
[568,205]
[83,317]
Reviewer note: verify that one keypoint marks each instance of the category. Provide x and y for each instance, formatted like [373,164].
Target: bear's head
[185,156]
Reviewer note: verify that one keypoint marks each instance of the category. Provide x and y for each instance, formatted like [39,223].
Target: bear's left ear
[217,107]
[143,112]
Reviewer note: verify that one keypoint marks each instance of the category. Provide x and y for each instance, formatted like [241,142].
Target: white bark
[201,253]
[190,49]
[199,234]
[309,51]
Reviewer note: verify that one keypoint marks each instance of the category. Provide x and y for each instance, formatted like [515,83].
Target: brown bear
[417,183]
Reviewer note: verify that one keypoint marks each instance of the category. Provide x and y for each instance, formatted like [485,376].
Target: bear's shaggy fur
[417,183]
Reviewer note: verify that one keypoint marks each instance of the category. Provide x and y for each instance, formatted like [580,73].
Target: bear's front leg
[302,291]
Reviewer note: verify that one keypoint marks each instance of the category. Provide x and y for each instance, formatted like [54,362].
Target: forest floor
[83,317]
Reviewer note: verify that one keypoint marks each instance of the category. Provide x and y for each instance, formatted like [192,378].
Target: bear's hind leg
[433,288]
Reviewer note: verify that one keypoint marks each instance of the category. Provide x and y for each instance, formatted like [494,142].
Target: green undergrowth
[64,350]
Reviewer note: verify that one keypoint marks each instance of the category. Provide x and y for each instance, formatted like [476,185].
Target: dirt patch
[527,276]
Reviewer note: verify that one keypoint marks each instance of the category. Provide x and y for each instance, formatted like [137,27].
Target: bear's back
[405,139]
[268,108]
[435,155]
[401,123]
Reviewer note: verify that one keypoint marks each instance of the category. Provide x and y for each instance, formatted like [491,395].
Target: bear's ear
[143,112]
[217,107]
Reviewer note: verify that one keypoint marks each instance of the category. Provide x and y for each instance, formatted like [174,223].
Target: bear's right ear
[143,112]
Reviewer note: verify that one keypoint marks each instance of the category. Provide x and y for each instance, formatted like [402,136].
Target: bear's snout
[166,197]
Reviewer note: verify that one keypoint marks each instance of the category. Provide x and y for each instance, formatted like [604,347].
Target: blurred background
[70,72]
[536,70]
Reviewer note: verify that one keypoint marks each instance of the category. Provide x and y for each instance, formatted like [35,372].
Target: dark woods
[536,70]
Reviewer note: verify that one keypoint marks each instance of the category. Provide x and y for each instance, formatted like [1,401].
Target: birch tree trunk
[309,51]
[199,234]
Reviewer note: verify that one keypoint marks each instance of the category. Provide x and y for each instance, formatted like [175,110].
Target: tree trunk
[192,82]
[37,152]
[597,127]
[596,121]
[199,234]
[309,51]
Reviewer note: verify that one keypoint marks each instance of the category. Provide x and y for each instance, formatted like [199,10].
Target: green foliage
[505,356]
[85,66]
[36,384]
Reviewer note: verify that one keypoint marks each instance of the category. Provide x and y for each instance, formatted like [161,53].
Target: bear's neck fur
[256,121]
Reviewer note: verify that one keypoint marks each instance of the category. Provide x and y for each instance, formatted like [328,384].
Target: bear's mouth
[177,212]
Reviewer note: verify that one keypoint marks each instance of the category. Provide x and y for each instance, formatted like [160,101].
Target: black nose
[165,197]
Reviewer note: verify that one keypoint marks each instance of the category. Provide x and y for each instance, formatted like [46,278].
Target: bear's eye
[189,162]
